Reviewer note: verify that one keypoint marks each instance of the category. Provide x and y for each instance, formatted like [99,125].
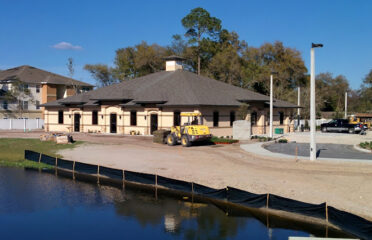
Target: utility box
[242,130]
[279,130]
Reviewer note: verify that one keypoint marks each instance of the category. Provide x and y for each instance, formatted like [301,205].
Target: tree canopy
[213,51]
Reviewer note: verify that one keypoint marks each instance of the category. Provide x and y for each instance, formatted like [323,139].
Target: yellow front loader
[190,132]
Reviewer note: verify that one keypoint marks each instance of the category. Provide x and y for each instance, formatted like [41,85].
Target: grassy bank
[12,151]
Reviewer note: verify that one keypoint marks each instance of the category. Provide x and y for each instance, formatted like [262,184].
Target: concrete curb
[356,147]
[259,150]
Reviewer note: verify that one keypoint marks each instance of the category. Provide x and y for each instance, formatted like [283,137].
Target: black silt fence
[247,199]
[32,156]
[65,164]
[220,194]
[286,204]
[111,172]
[174,184]
[48,159]
[86,168]
[350,223]
[137,177]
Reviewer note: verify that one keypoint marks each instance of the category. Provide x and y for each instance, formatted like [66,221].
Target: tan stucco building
[155,101]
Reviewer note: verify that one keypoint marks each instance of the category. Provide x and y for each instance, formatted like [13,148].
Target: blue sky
[95,29]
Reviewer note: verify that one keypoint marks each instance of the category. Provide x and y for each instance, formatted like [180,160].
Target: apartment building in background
[34,87]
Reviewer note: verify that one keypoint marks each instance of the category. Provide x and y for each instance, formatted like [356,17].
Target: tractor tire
[171,140]
[185,141]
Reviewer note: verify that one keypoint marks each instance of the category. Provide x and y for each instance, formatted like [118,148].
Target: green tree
[102,73]
[18,93]
[199,23]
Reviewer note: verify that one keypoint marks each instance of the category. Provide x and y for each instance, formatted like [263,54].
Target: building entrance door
[113,118]
[154,123]
[76,122]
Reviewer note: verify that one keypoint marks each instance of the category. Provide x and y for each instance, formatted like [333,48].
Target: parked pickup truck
[341,125]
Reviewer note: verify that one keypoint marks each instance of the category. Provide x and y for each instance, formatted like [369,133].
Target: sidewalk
[258,150]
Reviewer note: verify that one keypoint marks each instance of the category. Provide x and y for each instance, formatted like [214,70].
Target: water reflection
[96,212]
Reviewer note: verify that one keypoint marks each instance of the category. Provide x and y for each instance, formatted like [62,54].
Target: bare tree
[71,70]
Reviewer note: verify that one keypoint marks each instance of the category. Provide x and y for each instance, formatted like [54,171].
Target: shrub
[366,145]
[283,140]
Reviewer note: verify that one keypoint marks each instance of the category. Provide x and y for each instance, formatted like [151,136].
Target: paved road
[325,150]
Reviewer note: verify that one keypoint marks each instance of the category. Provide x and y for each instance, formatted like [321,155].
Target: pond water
[36,205]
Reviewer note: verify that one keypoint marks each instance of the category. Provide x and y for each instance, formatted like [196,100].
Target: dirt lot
[346,186]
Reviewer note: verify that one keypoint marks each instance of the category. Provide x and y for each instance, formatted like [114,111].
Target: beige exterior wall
[165,119]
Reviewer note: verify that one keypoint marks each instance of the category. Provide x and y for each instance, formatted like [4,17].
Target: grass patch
[366,145]
[12,151]
[223,140]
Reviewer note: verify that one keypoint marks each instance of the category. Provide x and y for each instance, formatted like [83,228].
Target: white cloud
[66,46]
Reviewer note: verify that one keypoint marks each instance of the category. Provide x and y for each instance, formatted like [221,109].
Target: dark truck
[341,125]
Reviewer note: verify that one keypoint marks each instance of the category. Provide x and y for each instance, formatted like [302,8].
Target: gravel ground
[325,150]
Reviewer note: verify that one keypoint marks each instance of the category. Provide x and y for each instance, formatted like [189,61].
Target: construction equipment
[355,120]
[190,132]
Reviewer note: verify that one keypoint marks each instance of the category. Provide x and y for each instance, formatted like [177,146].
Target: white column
[24,124]
[10,123]
[345,105]
[312,107]
[271,106]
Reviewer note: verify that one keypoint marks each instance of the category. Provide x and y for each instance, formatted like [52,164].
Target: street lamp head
[315,45]
[273,72]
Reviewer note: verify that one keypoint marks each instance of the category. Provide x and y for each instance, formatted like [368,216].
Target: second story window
[25,105]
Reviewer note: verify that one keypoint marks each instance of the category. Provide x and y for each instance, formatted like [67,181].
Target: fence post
[24,124]
[40,157]
[37,123]
[156,187]
[267,200]
[73,170]
[326,211]
[10,124]
[97,174]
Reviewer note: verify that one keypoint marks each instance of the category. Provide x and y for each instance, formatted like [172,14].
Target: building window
[216,119]
[37,88]
[5,105]
[281,118]
[232,118]
[177,118]
[60,117]
[254,119]
[94,117]
[37,104]
[133,118]
[25,105]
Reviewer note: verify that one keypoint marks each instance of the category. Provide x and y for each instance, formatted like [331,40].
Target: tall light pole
[312,102]
[271,103]
[298,109]
[345,105]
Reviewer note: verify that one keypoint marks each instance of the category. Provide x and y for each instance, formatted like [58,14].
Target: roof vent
[173,63]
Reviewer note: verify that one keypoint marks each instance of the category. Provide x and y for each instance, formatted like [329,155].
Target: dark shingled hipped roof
[172,88]
[28,74]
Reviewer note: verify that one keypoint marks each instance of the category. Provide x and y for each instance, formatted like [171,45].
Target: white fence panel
[23,124]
